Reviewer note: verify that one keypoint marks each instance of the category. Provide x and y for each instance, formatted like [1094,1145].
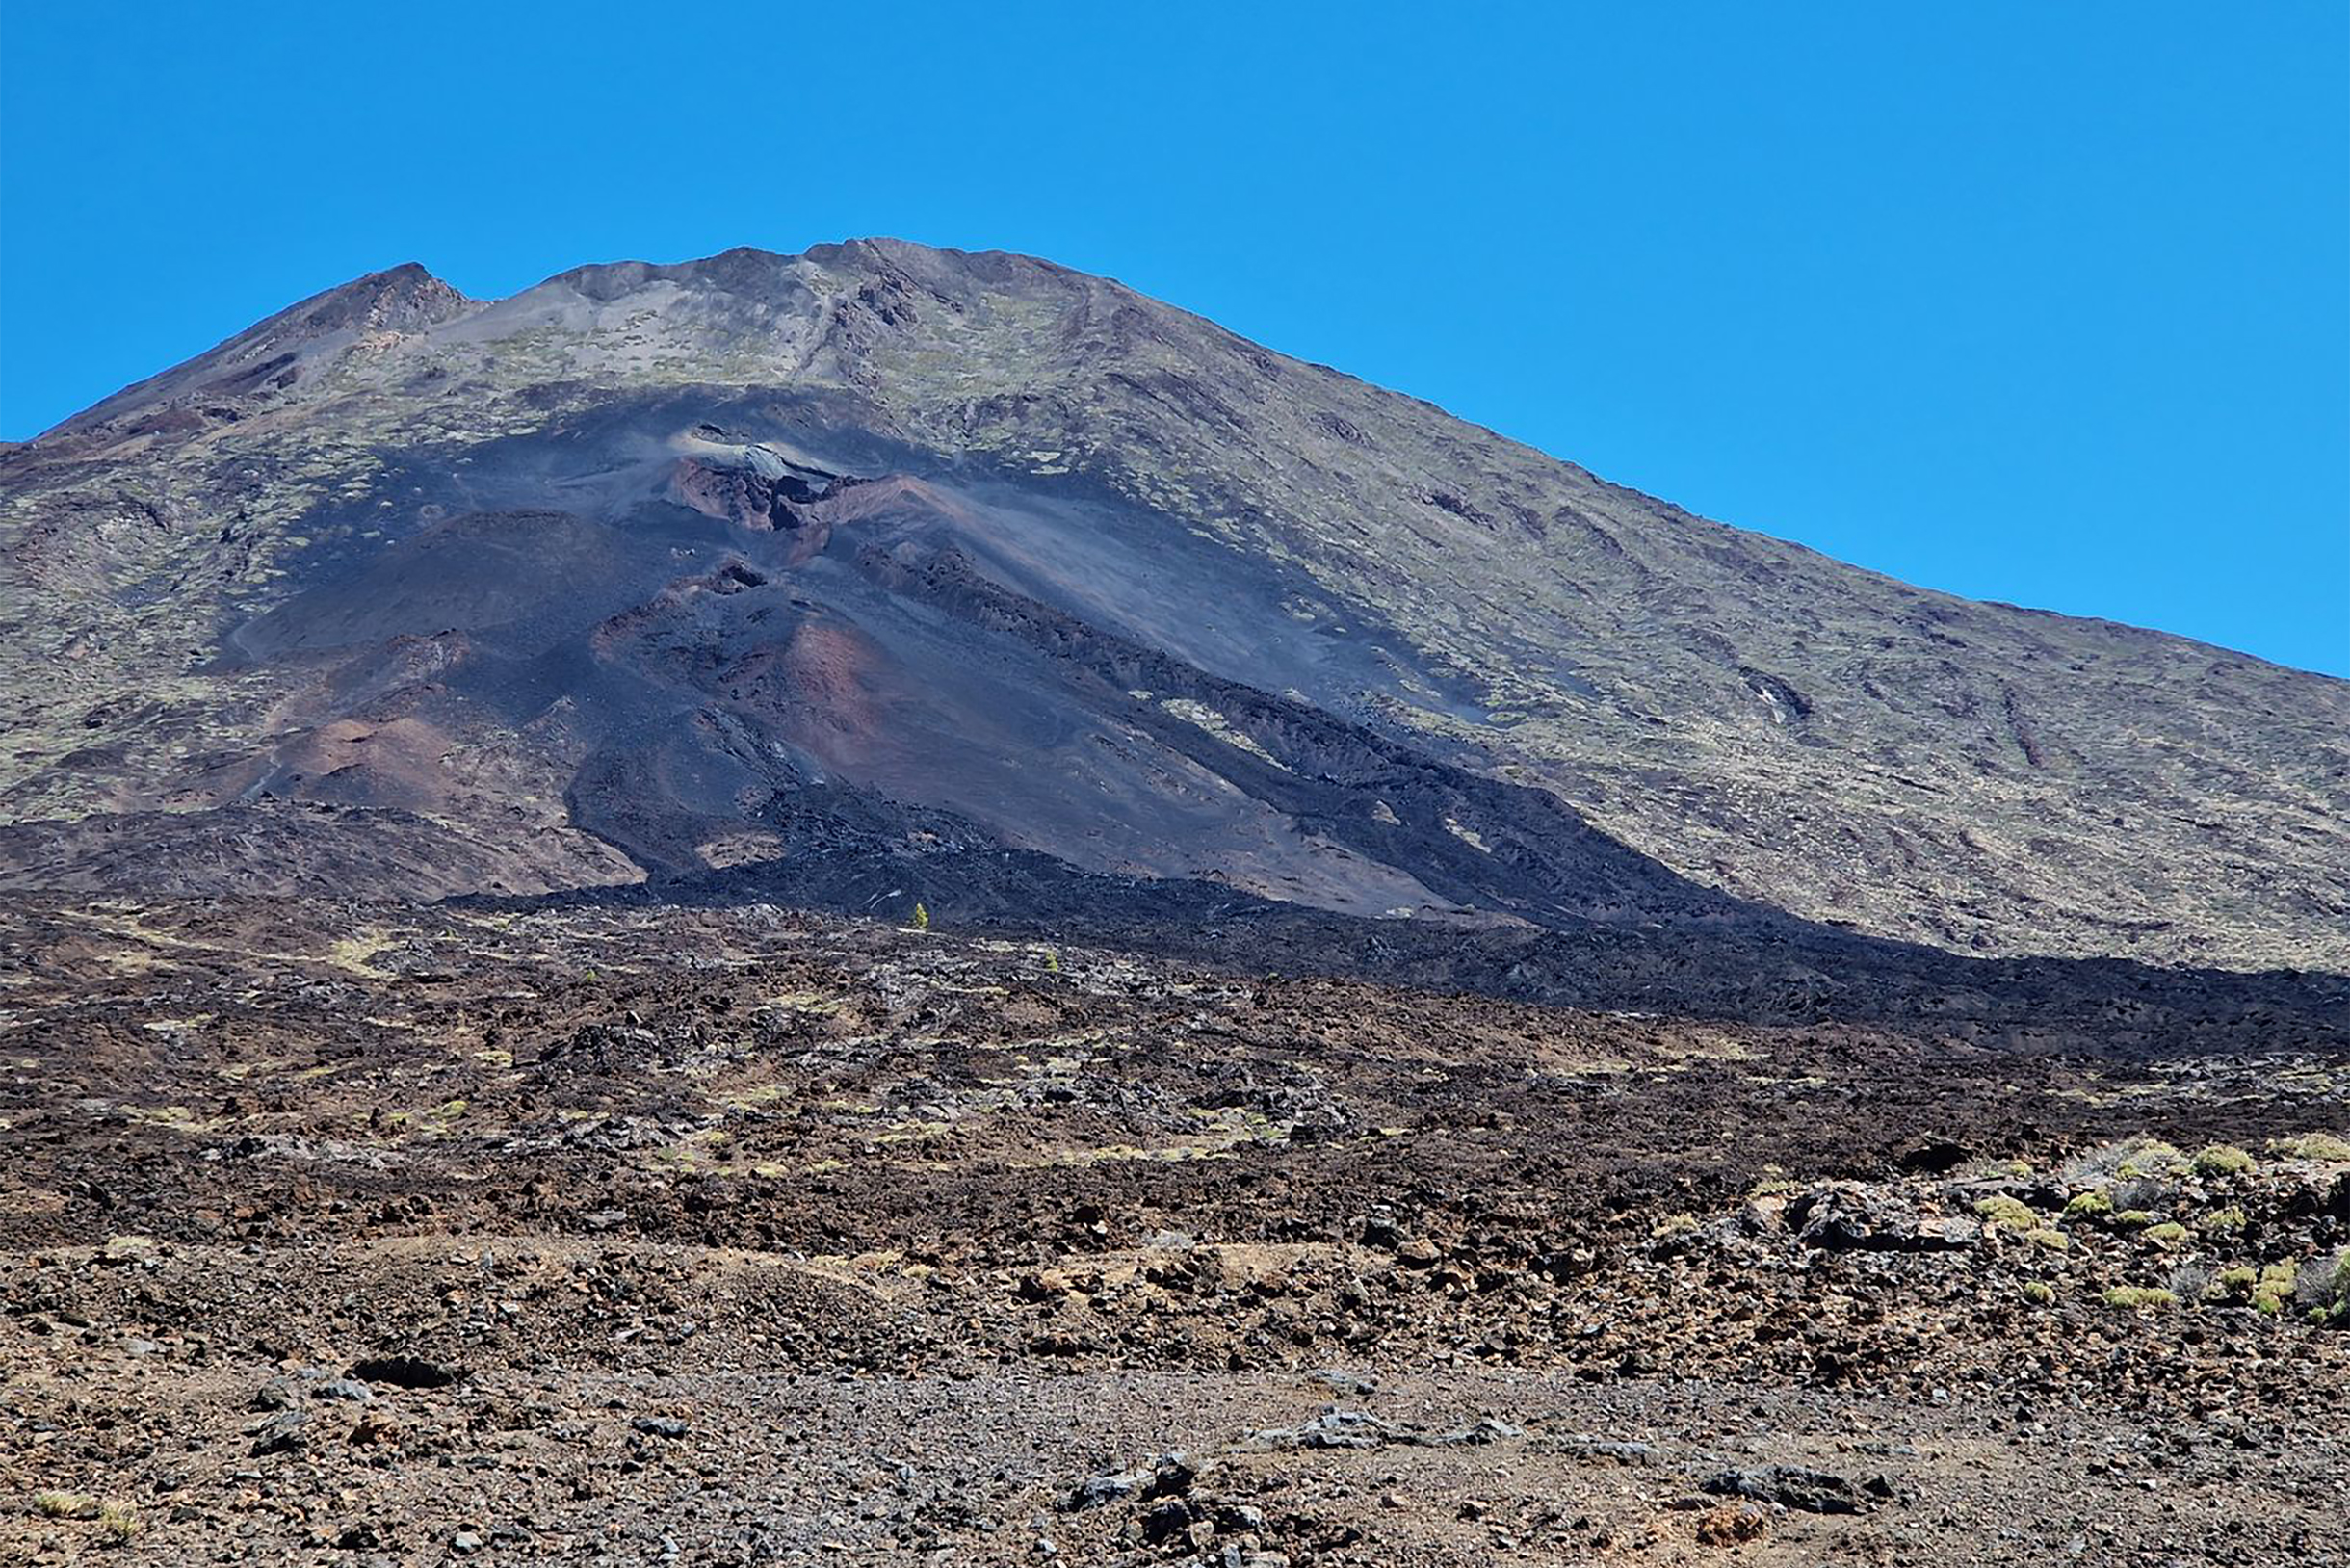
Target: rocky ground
[356,1234]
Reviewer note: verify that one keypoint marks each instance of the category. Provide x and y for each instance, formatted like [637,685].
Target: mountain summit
[884,572]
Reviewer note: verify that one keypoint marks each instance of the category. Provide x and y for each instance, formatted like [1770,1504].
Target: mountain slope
[649,572]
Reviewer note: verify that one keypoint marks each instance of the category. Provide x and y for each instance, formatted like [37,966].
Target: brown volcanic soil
[351,1232]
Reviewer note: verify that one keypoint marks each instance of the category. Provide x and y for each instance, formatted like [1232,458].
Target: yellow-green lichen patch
[2233,1284]
[2274,1287]
[2007,1213]
[2151,1157]
[2322,1148]
[2222,1160]
[2140,1297]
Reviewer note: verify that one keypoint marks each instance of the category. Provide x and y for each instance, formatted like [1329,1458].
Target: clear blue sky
[2040,303]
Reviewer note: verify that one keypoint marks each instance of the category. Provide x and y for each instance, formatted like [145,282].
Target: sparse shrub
[2008,1214]
[2089,1205]
[2132,1219]
[1052,960]
[117,1521]
[2055,1241]
[2331,1292]
[2233,1284]
[118,1524]
[2274,1287]
[2169,1233]
[921,917]
[2227,1221]
[2139,1297]
[2040,1293]
[2323,1147]
[2222,1160]
[2151,1157]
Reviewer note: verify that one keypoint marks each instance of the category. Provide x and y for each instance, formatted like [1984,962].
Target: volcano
[883,575]
[890,907]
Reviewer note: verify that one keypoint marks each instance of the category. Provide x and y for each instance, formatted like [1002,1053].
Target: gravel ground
[366,1235]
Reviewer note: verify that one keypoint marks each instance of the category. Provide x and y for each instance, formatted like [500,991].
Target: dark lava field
[344,1233]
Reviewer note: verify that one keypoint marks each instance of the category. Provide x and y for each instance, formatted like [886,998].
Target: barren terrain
[895,905]
[348,1233]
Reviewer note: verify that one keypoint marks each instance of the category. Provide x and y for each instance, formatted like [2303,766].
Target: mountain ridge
[418,273]
[1740,709]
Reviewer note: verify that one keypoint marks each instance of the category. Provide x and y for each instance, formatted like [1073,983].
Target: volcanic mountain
[885,574]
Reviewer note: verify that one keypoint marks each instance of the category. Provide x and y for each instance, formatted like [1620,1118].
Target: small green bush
[2167,1234]
[2008,1214]
[2134,1219]
[2090,1205]
[118,1524]
[2151,1156]
[2040,1293]
[2323,1147]
[2273,1289]
[2222,1160]
[2225,1221]
[2231,1283]
[2137,1297]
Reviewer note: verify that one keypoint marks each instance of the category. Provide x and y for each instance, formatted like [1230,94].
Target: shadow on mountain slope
[850,853]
